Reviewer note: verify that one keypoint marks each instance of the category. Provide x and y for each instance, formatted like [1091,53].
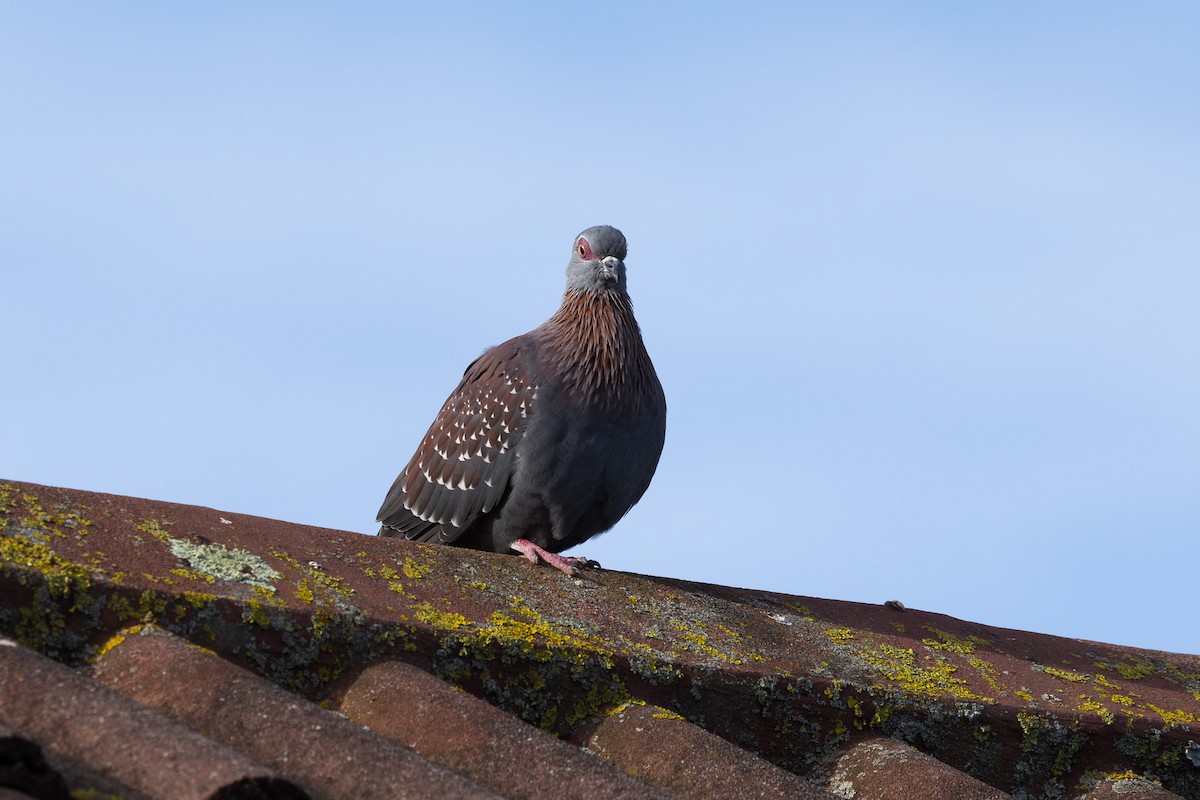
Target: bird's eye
[582,250]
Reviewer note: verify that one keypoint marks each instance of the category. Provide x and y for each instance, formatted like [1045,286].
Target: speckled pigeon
[551,437]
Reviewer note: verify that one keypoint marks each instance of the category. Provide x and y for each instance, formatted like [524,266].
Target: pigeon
[551,437]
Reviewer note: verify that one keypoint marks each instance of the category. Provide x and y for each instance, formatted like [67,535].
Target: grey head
[597,261]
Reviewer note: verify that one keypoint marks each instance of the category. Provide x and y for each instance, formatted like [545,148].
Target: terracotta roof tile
[1128,788]
[319,750]
[78,720]
[666,750]
[796,681]
[886,769]
[493,748]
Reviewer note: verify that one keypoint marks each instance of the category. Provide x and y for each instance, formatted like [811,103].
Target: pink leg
[568,564]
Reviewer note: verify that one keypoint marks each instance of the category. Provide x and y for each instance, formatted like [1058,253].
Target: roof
[159,650]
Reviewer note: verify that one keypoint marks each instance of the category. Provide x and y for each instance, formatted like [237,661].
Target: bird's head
[597,261]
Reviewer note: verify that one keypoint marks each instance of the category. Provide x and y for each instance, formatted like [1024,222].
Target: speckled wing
[463,465]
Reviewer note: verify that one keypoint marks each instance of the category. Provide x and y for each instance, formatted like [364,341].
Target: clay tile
[1128,787]
[789,678]
[684,760]
[78,719]
[320,750]
[886,769]
[466,734]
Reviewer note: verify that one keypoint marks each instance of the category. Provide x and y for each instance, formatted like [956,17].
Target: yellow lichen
[155,528]
[444,620]
[988,672]
[1031,725]
[112,642]
[694,637]
[1090,705]
[950,642]
[934,679]
[1135,669]
[802,610]
[414,570]
[620,707]
[256,614]
[1173,718]
[1068,675]
[839,635]
[193,575]
[666,713]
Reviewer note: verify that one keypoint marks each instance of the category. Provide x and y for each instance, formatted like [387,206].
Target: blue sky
[920,280]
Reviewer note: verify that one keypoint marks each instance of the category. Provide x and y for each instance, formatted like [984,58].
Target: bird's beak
[609,267]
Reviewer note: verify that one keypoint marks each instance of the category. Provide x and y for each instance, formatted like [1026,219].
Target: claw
[567,564]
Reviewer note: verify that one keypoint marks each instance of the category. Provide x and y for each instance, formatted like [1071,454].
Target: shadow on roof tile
[671,753]
[493,748]
[322,751]
[23,767]
[84,722]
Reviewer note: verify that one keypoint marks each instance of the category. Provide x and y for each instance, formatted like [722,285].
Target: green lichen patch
[228,564]
[211,562]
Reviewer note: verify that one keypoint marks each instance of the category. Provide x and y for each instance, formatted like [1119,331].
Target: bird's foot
[568,564]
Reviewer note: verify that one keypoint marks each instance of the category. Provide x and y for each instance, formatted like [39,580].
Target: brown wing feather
[463,465]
